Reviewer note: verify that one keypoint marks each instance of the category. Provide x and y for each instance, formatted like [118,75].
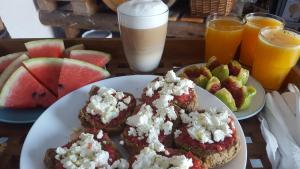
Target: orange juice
[254,22]
[223,36]
[277,51]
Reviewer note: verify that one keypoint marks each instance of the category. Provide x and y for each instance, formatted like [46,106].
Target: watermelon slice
[46,71]
[11,68]
[75,47]
[95,57]
[7,59]
[45,48]
[75,74]
[22,91]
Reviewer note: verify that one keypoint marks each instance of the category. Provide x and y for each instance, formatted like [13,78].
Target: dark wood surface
[178,53]
[108,21]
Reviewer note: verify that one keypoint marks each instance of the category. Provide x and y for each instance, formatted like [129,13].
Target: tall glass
[143,36]
[223,36]
[277,51]
[254,22]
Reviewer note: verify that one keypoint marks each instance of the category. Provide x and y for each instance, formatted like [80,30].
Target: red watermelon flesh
[11,68]
[94,57]
[46,71]
[75,74]
[45,48]
[7,59]
[22,90]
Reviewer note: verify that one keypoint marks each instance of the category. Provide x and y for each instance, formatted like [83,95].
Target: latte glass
[143,37]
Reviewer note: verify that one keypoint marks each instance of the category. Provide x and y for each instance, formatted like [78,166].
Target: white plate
[55,125]
[258,101]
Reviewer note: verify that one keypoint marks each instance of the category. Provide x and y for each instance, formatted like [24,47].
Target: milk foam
[143,14]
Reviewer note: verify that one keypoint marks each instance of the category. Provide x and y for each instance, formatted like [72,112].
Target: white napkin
[281,129]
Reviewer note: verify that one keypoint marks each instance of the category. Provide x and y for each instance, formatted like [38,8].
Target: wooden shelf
[108,21]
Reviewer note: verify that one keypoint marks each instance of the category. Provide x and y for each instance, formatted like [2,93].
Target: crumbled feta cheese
[132,132]
[120,164]
[146,124]
[86,152]
[183,87]
[163,101]
[167,127]
[121,142]
[122,106]
[207,127]
[171,77]
[100,134]
[177,133]
[185,118]
[169,85]
[103,90]
[149,159]
[119,95]
[181,161]
[127,100]
[107,103]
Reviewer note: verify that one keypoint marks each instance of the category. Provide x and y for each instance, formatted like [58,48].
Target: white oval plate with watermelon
[54,126]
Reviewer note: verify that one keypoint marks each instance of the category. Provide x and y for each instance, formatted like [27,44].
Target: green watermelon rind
[75,47]
[10,56]
[40,61]
[92,52]
[11,68]
[9,84]
[86,64]
[45,42]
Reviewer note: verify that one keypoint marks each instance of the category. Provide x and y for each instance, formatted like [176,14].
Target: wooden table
[178,53]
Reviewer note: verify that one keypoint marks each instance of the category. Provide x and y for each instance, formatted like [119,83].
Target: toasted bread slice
[212,158]
[134,145]
[52,163]
[116,125]
[171,152]
[188,102]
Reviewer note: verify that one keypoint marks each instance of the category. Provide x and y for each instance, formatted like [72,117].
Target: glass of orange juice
[223,36]
[254,22]
[277,51]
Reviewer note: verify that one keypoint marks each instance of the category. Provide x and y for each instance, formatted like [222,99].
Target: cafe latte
[143,27]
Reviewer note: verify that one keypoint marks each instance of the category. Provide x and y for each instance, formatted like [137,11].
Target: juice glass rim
[261,35]
[215,16]
[262,14]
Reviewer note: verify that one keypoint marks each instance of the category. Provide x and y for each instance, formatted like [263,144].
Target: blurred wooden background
[77,15]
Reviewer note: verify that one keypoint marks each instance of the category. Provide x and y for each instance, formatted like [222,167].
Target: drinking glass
[277,51]
[143,39]
[223,36]
[254,22]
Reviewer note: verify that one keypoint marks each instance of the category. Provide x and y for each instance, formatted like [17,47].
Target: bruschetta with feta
[92,149]
[151,125]
[175,158]
[211,135]
[107,109]
[181,90]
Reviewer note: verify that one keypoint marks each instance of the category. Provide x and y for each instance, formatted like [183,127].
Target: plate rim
[242,134]
[180,70]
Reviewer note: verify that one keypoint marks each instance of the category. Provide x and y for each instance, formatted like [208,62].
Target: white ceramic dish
[54,126]
[258,100]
